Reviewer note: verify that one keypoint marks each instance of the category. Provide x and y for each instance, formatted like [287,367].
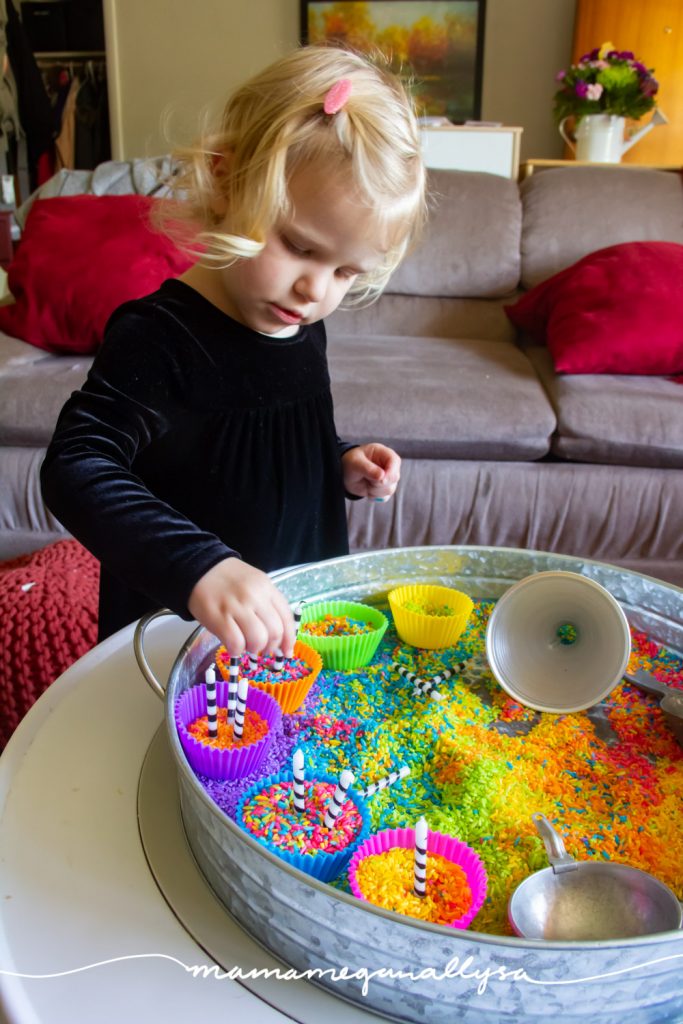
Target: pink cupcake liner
[449,847]
[227,763]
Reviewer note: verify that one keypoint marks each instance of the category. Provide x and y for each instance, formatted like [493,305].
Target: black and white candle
[233,682]
[240,710]
[421,686]
[334,808]
[278,661]
[299,778]
[253,661]
[390,779]
[211,708]
[420,858]
[297,612]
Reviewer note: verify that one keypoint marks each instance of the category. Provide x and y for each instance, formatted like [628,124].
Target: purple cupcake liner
[229,762]
[448,847]
[323,866]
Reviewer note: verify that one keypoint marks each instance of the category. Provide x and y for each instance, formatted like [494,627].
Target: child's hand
[243,608]
[371,471]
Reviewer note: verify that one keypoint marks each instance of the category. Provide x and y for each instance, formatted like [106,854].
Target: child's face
[310,260]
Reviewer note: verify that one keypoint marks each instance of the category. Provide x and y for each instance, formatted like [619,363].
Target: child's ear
[220,169]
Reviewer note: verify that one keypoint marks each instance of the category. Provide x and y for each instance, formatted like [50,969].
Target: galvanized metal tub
[405,969]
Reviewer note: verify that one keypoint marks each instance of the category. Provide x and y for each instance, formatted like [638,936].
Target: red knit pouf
[48,619]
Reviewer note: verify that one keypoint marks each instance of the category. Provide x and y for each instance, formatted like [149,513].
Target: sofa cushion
[618,310]
[625,421]
[438,398]
[470,246]
[34,385]
[426,316]
[571,211]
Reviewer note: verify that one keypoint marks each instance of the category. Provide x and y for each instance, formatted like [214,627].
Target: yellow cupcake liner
[431,632]
[344,653]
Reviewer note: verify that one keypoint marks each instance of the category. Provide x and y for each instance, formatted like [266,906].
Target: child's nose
[312,285]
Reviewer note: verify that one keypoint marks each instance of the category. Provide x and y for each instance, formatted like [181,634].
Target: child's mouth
[287,316]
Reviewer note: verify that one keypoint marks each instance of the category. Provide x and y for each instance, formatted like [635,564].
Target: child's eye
[347,273]
[290,245]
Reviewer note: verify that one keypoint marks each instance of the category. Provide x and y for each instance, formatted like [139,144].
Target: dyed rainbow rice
[387,879]
[336,625]
[610,779]
[293,668]
[255,728]
[271,816]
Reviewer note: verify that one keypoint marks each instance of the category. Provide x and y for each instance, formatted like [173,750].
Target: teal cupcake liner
[323,866]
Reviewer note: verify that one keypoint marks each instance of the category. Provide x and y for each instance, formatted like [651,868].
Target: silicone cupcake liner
[431,632]
[449,847]
[291,693]
[323,866]
[229,762]
[342,653]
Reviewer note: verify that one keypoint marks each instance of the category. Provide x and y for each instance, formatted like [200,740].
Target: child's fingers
[287,623]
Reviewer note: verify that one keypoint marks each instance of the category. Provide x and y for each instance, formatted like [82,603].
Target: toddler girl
[201,451]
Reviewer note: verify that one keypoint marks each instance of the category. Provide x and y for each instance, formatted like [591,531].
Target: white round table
[86,934]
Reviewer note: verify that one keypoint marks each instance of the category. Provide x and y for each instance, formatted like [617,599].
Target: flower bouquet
[605,81]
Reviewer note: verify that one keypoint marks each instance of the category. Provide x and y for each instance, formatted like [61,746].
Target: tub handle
[554,845]
[139,648]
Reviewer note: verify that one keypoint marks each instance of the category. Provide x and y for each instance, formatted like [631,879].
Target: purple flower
[581,90]
[649,86]
[560,76]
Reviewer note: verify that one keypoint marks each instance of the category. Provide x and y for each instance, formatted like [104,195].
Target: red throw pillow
[618,310]
[79,258]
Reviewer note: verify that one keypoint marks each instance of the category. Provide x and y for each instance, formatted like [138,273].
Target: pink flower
[594,91]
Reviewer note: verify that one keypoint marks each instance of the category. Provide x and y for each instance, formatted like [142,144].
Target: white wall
[171,59]
[526,43]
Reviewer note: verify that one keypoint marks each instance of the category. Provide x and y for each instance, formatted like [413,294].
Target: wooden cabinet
[653,30]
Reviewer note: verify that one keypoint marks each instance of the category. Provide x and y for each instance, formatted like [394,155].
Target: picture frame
[435,46]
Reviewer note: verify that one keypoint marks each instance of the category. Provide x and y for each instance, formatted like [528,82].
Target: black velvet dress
[192,439]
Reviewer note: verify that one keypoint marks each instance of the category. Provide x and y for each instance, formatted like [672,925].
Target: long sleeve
[88,479]
[194,439]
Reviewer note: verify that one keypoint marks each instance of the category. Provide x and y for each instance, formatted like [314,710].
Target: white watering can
[600,137]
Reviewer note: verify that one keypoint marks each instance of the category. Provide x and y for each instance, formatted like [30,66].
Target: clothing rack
[76,85]
[70,58]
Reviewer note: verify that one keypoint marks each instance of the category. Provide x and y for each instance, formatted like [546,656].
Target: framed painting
[436,46]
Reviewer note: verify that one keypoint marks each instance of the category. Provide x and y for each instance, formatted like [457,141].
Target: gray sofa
[497,449]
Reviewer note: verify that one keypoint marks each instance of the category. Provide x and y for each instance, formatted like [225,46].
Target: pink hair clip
[337,96]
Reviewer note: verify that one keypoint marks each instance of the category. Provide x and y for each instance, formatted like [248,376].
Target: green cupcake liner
[343,653]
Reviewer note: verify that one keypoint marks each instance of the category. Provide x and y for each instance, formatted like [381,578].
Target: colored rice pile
[609,779]
[336,625]
[271,816]
[387,880]
[254,729]
[265,672]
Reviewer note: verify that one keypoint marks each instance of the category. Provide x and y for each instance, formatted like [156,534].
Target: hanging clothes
[92,146]
[66,140]
[35,110]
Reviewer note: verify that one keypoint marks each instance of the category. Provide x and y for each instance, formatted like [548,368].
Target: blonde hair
[274,125]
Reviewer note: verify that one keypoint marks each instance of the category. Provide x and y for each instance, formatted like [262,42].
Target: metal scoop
[670,700]
[589,900]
